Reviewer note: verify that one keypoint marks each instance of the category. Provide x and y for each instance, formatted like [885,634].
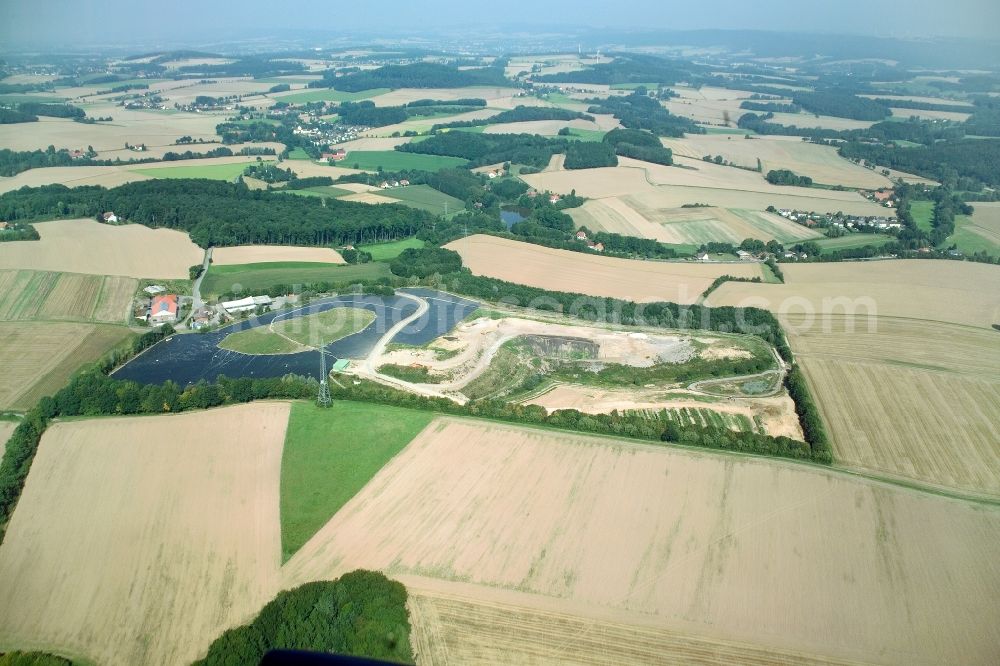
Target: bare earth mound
[712,545]
[562,270]
[253,254]
[86,246]
[139,540]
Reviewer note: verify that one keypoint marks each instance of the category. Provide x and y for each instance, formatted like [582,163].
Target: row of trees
[638,111]
[841,104]
[217,213]
[416,75]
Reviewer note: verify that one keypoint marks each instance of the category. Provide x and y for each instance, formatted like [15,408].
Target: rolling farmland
[704,183]
[945,291]
[521,502]
[908,398]
[562,270]
[640,215]
[47,296]
[86,246]
[155,577]
[39,357]
[821,163]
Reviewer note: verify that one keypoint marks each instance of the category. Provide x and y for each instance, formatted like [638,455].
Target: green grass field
[330,454]
[851,241]
[298,154]
[210,171]
[710,129]
[389,251]
[922,212]
[971,237]
[41,99]
[221,279]
[288,336]
[394,160]
[330,95]
[426,198]
[586,135]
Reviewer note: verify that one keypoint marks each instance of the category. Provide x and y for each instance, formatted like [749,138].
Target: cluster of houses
[323,133]
[553,198]
[389,184]
[148,101]
[885,196]
[841,221]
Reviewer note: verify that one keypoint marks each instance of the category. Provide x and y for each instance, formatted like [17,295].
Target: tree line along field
[908,398]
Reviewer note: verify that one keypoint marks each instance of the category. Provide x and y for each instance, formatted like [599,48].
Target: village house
[163,309]
[335,156]
[581,235]
[109,217]
[702,256]
[744,255]
[154,289]
[554,198]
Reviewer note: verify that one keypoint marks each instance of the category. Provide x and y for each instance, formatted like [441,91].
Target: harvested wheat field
[722,546]
[821,163]
[253,254]
[453,629]
[109,556]
[407,95]
[562,270]
[38,295]
[809,120]
[105,176]
[86,246]
[369,198]
[153,128]
[909,398]
[914,288]
[925,114]
[39,357]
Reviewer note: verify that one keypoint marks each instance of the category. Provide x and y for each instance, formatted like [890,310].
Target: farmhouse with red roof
[163,309]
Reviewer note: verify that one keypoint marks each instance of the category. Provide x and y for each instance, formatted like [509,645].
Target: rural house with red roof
[163,309]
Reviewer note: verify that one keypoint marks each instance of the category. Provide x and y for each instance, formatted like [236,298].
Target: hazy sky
[132,21]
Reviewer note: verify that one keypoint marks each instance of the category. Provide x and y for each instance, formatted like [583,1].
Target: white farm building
[245,304]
